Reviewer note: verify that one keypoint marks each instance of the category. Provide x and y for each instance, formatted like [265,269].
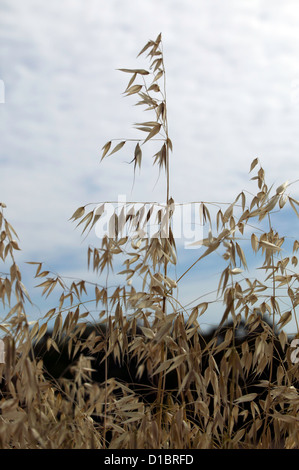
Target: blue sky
[233,95]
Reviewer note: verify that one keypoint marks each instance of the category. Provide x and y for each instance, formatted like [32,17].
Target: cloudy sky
[233,95]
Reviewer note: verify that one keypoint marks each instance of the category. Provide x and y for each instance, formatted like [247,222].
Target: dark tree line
[221,352]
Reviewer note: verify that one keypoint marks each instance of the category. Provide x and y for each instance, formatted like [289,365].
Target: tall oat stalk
[153,97]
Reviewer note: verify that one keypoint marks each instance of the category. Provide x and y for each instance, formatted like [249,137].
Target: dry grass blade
[117,148]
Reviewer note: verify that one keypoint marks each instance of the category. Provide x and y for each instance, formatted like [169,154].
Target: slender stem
[106,367]
[162,378]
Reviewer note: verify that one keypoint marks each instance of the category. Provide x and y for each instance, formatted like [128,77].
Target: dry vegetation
[216,391]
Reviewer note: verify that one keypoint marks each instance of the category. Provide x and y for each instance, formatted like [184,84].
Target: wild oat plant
[144,375]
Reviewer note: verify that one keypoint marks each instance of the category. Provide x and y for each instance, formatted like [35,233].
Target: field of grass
[145,376]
